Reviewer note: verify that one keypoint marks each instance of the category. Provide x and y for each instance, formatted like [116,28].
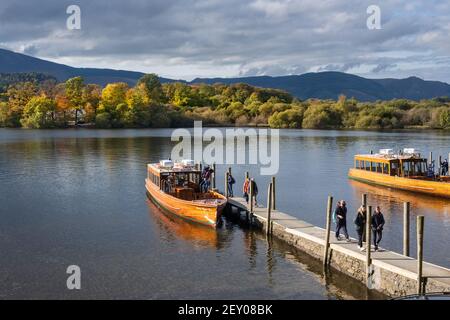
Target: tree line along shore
[37,101]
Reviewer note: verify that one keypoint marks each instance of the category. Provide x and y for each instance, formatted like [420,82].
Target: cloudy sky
[204,38]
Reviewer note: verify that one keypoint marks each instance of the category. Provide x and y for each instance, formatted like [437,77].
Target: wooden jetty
[388,272]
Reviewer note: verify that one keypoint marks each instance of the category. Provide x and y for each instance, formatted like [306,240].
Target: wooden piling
[406,214]
[327,232]
[439,165]
[368,236]
[226,184]
[364,200]
[247,177]
[269,209]
[273,193]
[251,198]
[420,227]
[430,160]
[214,176]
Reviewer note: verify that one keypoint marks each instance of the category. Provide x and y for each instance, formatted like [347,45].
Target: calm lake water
[78,197]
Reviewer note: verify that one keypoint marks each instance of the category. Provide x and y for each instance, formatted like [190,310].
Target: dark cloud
[383,67]
[188,38]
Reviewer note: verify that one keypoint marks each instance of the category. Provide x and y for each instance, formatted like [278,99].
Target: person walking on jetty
[340,214]
[444,167]
[377,227]
[246,189]
[254,187]
[230,183]
[360,222]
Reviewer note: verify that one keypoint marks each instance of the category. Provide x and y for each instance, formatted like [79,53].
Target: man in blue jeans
[340,214]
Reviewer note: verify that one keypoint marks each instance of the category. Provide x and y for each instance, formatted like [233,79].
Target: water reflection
[172,226]
[390,198]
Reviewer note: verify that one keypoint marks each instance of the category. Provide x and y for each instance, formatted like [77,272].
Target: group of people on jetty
[339,215]
[377,223]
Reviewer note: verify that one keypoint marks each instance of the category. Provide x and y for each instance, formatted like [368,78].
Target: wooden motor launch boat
[175,188]
[406,170]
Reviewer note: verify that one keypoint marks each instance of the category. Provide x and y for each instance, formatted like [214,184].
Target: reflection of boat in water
[406,171]
[176,189]
[185,230]
[400,196]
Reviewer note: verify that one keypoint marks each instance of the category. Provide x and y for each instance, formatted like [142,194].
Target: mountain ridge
[321,85]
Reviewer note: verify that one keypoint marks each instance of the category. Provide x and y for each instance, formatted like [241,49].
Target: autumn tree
[39,113]
[74,93]
[18,97]
[152,87]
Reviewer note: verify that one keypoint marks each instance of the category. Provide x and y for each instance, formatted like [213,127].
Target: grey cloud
[214,37]
[383,67]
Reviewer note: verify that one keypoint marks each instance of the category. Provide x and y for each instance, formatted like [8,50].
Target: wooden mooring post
[247,177]
[226,184]
[273,194]
[406,214]
[420,227]
[251,199]
[326,248]
[269,209]
[214,176]
[368,246]
[364,200]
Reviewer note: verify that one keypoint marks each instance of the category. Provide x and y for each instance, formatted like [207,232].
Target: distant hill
[322,85]
[12,62]
[329,85]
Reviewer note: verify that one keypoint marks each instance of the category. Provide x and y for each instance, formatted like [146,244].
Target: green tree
[74,92]
[321,116]
[39,113]
[153,89]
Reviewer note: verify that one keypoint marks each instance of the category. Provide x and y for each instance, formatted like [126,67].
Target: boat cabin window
[172,181]
[408,167]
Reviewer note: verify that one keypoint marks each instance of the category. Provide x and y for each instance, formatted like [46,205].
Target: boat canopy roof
[388,158]
[158,168]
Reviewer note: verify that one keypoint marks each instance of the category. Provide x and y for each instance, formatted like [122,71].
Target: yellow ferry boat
[175,187]
[406,170]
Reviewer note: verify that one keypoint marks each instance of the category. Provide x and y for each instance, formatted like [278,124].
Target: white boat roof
[390,156]
[176,168]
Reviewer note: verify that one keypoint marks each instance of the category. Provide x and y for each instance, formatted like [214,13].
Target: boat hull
[203,213]
[434,188]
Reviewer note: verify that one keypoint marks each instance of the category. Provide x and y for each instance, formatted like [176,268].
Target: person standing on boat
[341,219]
[203,181]
[377,227]
[208,174]
[246,189]
[230,183]
[360,222]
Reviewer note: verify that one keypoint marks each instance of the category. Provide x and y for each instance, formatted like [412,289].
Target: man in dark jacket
[254,187]
[360,222]
[230,183]
[377,227]
[444,167]
[341,219]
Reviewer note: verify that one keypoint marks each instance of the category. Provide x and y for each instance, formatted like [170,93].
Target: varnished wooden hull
[434,188]
[203,213]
